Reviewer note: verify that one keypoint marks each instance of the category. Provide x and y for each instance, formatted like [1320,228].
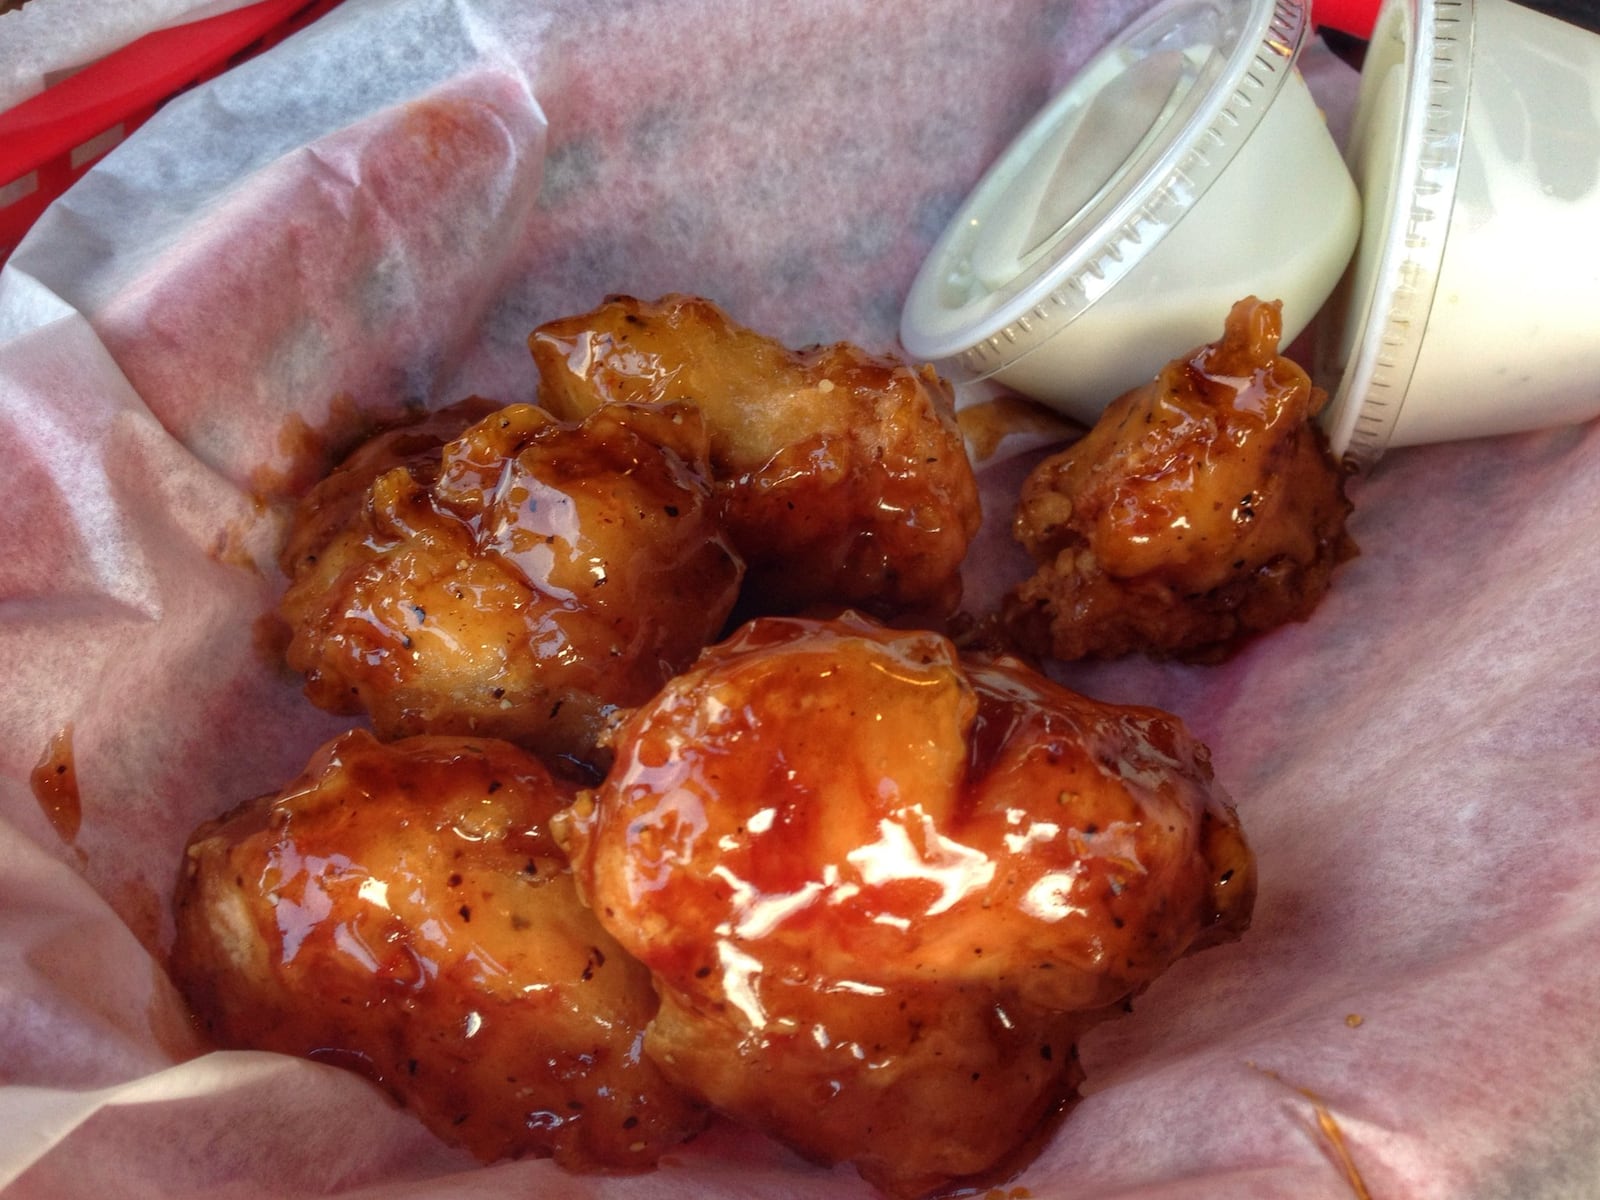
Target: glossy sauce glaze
[1201,509]
[402,910]
[54,780]
[521,577]
[842,474]
[899,883]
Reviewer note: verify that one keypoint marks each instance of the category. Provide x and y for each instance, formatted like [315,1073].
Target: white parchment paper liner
[372,217]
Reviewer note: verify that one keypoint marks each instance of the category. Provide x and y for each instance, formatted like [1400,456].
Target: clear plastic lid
[1098,177]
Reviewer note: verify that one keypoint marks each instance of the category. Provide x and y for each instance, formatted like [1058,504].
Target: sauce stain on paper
[307,452]
[1332,1135]
[231,546]
[445,130]
[270,635]
[55,786]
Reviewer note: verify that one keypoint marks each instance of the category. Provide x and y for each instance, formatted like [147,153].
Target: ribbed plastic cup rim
[1369,344]
[1109,236]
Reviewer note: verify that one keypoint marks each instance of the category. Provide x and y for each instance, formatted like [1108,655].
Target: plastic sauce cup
[1185,167]
[1473,304]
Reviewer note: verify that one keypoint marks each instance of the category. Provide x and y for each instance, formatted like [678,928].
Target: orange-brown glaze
[1202,509]
[843,473]
[55,785]
[335,501]
[402,910]
[844,852]
[519,578]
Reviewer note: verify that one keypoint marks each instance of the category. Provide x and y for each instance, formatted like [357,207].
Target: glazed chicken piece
[844,476]
[1202,509]
[401,910]
[882,888]
[521,577]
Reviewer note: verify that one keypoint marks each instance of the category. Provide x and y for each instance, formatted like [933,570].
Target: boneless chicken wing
[882,888]
[843,475]
[402,910]
[1200,510]
[520,577]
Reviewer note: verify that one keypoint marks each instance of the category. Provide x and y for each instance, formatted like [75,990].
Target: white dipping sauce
[1470,308]
[1186,167]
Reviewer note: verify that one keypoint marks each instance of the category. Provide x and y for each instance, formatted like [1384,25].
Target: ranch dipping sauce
[1467,310]
[1109,236]
[1187,166]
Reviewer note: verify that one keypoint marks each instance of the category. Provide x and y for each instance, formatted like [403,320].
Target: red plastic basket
[48,141]
[1355,17]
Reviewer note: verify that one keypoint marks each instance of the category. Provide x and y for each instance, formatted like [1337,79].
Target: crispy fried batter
[403,911]
[519,578]
[1202,509]
[882,889]
[843,474]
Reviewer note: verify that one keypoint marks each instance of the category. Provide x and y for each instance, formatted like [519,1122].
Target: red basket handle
[140,74]
[1355,17]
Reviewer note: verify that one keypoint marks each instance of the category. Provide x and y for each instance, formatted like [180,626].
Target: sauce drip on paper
[306,452]
[55,785]
[1332,1135]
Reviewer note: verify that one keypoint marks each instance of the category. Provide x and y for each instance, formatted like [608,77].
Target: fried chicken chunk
[844,476]
[402,910]
[516,577]
[882,888]
[1202,509]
